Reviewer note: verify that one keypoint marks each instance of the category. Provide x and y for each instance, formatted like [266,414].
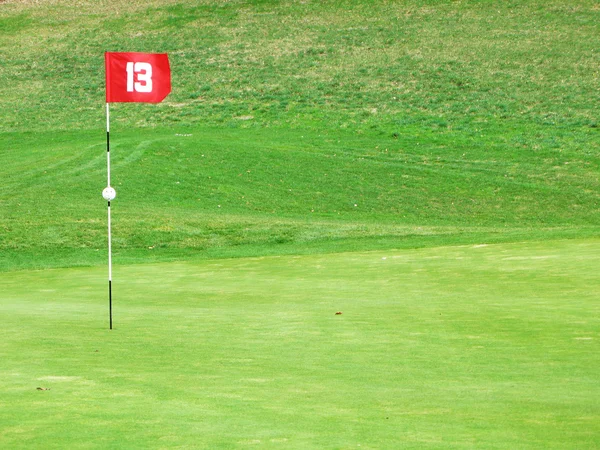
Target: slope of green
[457,347]
[212,193]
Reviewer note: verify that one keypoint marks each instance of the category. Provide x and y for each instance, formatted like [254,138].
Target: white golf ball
[109,193]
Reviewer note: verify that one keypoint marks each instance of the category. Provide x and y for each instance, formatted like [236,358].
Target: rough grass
[298,127]
[346,64]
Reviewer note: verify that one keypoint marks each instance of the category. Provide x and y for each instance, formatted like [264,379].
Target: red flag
[137,77]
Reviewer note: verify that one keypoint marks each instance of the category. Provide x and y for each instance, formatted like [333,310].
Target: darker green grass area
[294,126]
[210,192]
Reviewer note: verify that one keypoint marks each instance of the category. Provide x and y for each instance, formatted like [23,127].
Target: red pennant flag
[137,77]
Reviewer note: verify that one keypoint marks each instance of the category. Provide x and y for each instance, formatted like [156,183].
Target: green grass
[348,64]
[303,143]
[454,121]
[214,193]
[451,347]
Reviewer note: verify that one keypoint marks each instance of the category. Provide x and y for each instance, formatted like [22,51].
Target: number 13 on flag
[137,77]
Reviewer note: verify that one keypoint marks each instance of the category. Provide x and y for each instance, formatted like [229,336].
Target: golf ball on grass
[109,193]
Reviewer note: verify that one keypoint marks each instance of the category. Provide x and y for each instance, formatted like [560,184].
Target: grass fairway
[313,157]
[486,346]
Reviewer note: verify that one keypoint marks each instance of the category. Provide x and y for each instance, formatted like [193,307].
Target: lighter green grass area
[485,346]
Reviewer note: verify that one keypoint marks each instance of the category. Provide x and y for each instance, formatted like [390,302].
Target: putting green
[475,346]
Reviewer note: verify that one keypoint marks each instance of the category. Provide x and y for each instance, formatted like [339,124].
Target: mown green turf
[226,192]
[453,347]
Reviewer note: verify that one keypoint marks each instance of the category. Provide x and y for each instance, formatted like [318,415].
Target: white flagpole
[109,196]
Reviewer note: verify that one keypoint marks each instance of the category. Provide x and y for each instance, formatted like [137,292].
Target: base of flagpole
[110,302]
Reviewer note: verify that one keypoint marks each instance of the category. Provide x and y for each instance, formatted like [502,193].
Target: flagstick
[109,228]
[129,78]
